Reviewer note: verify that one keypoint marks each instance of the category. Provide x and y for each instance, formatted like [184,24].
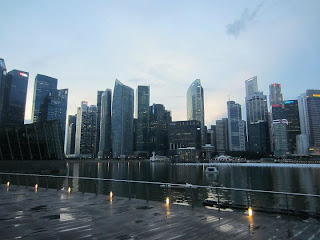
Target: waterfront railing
[238,199]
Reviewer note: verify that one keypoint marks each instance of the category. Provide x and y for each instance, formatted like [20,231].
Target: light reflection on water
[300,180]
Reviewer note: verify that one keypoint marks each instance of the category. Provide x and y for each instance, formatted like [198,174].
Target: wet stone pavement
[52,214]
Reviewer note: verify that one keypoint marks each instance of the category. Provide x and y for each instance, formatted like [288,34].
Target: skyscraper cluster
[109,129]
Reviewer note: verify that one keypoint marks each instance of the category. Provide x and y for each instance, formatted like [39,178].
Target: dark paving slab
[50,214]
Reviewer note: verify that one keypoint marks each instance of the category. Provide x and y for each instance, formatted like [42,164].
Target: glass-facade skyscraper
[275,94]
[71,134]
[257,118]
[105,144]
[43,85]
[122,120]
[158,132]
[236,127]
[86,129]
[195,106]
[13,93]
[309,112]
[142,129]
[54,107]
[99,94]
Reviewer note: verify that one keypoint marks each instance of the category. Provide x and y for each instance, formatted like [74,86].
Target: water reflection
[303,180]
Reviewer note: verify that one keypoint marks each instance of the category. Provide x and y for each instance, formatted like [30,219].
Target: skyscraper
[257,118]
[13,93]
[195,106]
[275,94]
[3,74]
[158,132]
[122,120]
[222,141]
[292,115]
[43,85]
[71,134]
[86,129]
[236,127]
[105,145]
[99,94]
[54,107]
[309,112]
[142,108]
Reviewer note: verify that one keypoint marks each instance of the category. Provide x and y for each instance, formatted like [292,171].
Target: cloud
[239,25]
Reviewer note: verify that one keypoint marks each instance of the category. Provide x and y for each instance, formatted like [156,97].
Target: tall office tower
[213,137]
[43,85]
[99,94]
[309,113]
[86,129]
[3,70]
[142,108]
[122,120]
[257,118]
[3,73]
[13,93]
[251,86]
[280,137]
[158,132]
[222,136]
[236,128]
[54,107]
[71,134]
[279,127]
[293,129]
[105,145]
[275,94]
[195,105]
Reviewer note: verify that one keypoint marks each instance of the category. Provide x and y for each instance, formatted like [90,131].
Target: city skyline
[220,49]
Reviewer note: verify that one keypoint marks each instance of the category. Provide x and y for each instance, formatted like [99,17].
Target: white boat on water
[211,170]
[157,158]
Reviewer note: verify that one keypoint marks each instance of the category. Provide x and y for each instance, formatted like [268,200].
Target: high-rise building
[13,93]
[259,137]
[222,141]
[280,137]
[293,129]
[213,134]
[195,106]
[122,120]
[309,113]
[251,86]
[105,145]
[275,94]
[54,107]
[3,70]
[43,85]
[99,94]
[142,108]
[86,129]
[236,127]
[257,118]
[184,134]
[3,73]
[71,134]
[158,129]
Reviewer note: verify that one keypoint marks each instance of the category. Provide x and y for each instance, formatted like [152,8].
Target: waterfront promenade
[52,214]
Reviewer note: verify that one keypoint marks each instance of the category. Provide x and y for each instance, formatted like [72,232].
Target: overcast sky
[164,44]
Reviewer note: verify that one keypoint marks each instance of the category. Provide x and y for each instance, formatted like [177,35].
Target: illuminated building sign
[23,74]
[287,102]
[316,95]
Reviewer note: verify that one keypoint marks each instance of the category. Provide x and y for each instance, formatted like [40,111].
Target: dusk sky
[165,44]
